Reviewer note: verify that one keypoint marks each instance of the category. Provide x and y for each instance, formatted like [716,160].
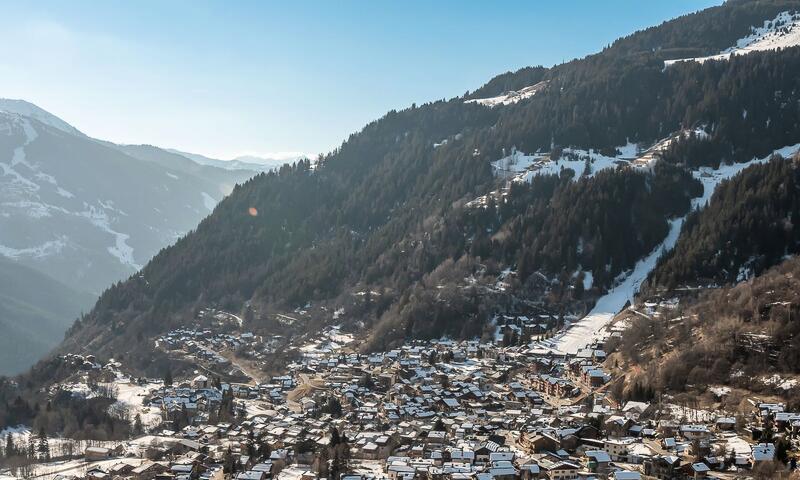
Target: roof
[600,456]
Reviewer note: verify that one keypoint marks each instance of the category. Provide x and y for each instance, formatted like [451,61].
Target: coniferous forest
[409,212]
[387,208]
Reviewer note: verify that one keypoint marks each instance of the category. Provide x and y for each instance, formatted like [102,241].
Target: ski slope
[591,328]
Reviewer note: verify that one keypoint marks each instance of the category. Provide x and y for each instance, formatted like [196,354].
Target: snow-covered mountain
[89,213]
[27,109]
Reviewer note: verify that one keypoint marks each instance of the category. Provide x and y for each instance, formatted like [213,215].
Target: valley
[581,271]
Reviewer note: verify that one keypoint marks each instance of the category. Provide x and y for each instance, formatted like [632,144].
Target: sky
[272,78]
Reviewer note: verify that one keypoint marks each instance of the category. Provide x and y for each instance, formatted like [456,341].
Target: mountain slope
[742,336]
[87,213]
[409,207]
[749,225]
[27,109]
[35,311]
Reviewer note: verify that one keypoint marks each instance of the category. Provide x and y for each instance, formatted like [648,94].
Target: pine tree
[31,453]
[138,428]
[10,447]
[43,447]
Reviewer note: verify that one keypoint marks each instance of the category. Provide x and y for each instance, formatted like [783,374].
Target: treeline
[750,224]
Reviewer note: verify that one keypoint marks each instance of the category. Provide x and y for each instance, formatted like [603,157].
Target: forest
[387,207]
[748,226]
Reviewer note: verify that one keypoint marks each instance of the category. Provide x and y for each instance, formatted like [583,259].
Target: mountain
[89,213]
[35,310]
[78,214]
[548,191]
[27,109]
[246,162]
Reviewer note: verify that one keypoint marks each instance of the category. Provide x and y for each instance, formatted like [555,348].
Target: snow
[79,467]
[691,414]
[18,157]
[293,472]
[40,251]
[331,339]
[209,201]
[648,157]
[60,446]
[780,382]
[720,391]
[21,107]
[19,152]
[511,96]
[588,280]
[591,328]
[64,193]
[524,168]
[781,32]
[120,250]
[130,395]
[711,177]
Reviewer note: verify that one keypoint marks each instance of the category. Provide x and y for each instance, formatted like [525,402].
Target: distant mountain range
[246,162]
[87,213]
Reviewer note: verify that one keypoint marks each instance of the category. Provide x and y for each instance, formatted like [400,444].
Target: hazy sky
[232,78]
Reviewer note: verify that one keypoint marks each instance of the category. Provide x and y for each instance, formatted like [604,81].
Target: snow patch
[589,329]
[781,32]
[121,250]
[511,96]
[712,177]
[209,201]
[51,247]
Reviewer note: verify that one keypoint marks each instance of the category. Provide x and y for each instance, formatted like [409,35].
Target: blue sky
[234,78]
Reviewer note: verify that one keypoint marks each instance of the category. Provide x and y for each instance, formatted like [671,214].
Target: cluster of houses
[204,345]
[434,410]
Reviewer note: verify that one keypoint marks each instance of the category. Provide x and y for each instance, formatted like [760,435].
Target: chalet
[663,467]
[598,461]
[93,454]
[149,470]
[559,470]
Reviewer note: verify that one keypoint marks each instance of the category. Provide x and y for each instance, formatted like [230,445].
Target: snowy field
[521,167]
[332,339]
[781,32]
[131,395]
[510,97]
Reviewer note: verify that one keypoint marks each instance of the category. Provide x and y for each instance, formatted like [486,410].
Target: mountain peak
[27,109]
